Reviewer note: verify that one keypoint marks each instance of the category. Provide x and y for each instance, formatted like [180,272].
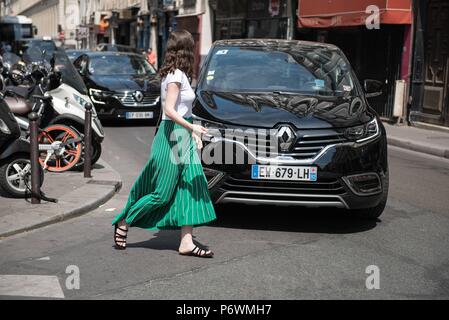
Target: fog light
[365,184]
[213,177]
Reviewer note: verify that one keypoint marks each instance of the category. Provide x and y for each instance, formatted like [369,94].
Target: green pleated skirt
[171,191]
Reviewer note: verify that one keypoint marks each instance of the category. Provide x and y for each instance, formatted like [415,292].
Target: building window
[267,28]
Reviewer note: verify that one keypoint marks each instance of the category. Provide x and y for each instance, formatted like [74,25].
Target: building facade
[237,19]
[57,19]
[195,17]
[375,35]
[430,81]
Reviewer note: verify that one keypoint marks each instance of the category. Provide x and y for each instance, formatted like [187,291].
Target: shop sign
[82,32]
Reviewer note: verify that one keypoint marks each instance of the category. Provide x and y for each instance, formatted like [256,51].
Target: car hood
[268,110]
[125,83]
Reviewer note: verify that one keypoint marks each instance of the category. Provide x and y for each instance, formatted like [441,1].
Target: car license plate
[284,173]
[139,115]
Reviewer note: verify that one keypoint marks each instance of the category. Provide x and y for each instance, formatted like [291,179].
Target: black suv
[290,124]
[121,85]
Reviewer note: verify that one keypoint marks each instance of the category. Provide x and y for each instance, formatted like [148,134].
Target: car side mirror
[80,70]
[373,88]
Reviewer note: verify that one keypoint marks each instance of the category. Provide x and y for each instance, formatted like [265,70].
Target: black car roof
[275,43]
[110,53]
[113,45]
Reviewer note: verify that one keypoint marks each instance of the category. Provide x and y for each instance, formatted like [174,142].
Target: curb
[108,189]
[409,145]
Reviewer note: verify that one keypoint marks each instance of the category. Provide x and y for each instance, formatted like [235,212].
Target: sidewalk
[76,195]
[431,142]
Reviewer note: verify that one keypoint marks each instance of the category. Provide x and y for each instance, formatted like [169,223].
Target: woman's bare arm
[173,91]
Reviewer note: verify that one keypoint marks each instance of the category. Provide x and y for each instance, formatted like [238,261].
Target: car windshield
[313,71]
[104,65]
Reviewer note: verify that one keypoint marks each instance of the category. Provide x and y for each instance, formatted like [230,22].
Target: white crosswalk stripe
[30,286]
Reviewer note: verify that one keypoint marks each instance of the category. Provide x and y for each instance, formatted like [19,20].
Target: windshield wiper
[292,93]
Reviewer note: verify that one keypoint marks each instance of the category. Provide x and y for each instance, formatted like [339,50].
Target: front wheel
[96,153]
[66,145]
[15,176]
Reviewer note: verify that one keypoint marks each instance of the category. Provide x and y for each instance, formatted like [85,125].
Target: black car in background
[73,54]
[289,124]
[121,85]
[115,48]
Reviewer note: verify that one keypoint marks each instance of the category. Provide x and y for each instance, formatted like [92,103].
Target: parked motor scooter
[68,102]
[15,165]
[60,145]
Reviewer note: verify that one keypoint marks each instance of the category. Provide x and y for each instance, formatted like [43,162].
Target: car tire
[96,153]
[374,212]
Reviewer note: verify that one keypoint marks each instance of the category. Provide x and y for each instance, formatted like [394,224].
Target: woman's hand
[198,141]
[198,130]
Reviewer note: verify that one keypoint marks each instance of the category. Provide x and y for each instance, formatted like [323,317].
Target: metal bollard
[34,158]
[88,141]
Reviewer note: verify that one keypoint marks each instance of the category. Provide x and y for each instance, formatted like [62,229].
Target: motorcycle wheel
[65,158]
[15,176]
[96,153]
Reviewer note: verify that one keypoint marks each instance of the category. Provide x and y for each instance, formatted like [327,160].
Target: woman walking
[171,191]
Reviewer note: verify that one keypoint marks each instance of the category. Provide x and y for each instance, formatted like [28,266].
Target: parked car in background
[73,54]
[115,48]
[299,126]
[121,85]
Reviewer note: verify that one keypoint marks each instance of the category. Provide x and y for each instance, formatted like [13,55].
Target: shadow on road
[163,240]
[290,219]
[269,218]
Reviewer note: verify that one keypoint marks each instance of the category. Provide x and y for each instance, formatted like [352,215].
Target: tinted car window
[321,71]
[74,54]
[103,65]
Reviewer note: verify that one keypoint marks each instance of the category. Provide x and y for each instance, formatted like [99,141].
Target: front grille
[128,100]
[314,194]
[332,187]
[308,144]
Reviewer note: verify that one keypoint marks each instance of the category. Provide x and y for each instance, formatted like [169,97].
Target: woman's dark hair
[179,54]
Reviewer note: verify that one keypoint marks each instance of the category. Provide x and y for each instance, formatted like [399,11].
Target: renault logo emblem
[138,95]
[286,137]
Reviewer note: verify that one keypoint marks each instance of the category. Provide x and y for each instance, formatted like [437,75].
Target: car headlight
[364,132]
[98,96]
[4,127]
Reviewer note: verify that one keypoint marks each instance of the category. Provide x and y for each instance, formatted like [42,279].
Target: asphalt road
[261,252]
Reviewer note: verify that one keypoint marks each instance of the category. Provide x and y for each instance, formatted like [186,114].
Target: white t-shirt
[186,95]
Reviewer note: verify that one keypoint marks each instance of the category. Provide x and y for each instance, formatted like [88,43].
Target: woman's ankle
[122,223]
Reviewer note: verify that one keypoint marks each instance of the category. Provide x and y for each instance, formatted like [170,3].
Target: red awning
[341,13]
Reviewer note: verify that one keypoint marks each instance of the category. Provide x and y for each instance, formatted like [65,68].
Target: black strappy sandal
[198,252]
[119,239]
